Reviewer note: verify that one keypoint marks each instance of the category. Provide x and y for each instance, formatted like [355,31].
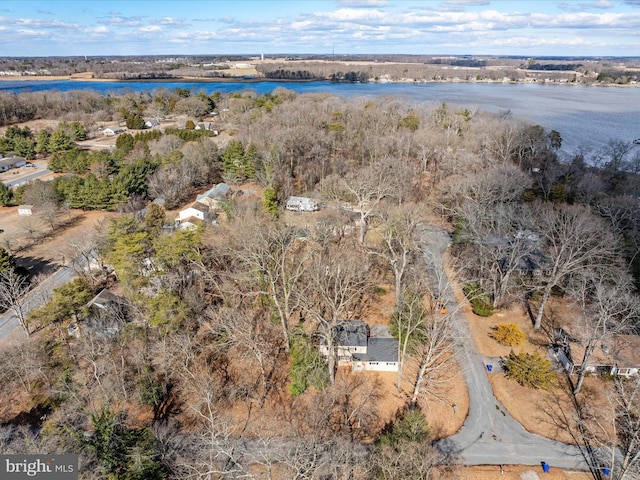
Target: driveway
[22,179]
[489,436]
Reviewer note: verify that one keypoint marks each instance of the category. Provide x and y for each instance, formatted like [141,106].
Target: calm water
[585,116]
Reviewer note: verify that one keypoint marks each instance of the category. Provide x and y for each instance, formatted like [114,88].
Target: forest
[208,365]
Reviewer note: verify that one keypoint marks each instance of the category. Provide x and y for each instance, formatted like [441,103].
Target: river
[585,116]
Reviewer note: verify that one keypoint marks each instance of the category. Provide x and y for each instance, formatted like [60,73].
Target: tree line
[221,319]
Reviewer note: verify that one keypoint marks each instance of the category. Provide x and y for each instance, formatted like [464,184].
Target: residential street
[35,298]
[489,436]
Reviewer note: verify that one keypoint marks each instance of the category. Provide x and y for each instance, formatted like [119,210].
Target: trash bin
[489,367]
[545,467]
[606,471]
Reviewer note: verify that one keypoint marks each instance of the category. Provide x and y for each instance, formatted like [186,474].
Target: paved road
[489,436]
[32,176]
[40,294]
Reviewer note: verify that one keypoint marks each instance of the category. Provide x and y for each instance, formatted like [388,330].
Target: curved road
[489,436]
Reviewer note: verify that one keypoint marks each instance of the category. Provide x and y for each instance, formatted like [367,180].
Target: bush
[307,367]
[530,370]
[479,300]
[508,334]
[412,427]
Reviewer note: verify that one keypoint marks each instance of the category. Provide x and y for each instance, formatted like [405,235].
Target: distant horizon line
[278,55]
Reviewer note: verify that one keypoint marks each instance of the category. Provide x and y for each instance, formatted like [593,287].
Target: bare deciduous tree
[607,307]
[399,231]
[575,240]
[275,262]
[13,288]
[337,282]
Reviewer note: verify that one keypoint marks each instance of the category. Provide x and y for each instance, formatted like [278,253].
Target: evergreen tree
[7,262]
[42,142]
[60,141]
[6,195]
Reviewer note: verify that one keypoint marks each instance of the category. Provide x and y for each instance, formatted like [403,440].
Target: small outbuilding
[25,210]
[302,204]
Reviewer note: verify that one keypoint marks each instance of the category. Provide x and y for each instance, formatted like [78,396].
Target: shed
[301,204]
[25,209]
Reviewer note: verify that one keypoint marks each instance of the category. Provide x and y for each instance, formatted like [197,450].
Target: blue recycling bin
[489,367]
[545,467]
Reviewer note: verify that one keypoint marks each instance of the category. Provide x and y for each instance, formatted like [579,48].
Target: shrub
[508,334]
[412,427]
[307,367]
[479,300]
[530,370]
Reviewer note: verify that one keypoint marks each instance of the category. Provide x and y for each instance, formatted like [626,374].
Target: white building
[302,204]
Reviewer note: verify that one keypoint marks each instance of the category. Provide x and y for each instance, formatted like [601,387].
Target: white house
[25,209]
[301,204]
[111,131]
[151,123]
[362,349]
[196,210]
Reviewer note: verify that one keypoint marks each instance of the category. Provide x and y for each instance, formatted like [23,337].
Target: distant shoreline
[244,79]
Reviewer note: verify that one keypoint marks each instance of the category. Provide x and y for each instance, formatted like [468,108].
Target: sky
[253,27]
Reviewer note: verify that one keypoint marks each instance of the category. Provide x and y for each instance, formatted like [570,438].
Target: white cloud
[97,30]
[121,21]
[172,21]
[150,28]
[33,33]
[363,3]
[583,6]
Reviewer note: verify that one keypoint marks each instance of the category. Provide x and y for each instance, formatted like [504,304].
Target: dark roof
[104,298]
[379,350]
[351,333]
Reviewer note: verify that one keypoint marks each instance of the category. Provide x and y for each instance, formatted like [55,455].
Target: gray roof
[219,192]
[379,350]
[351,333]
[11,161]
[103,299]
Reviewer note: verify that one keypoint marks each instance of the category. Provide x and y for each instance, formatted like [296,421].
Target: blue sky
[157,27]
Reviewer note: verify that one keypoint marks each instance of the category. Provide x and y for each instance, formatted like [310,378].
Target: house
[215,195]
[11,162]
[364,350]
[111,131]
[615,355]
[105,315]
[196,210]
[151,123]
[25,209]
[204,126]
[301,204]
[349,337]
